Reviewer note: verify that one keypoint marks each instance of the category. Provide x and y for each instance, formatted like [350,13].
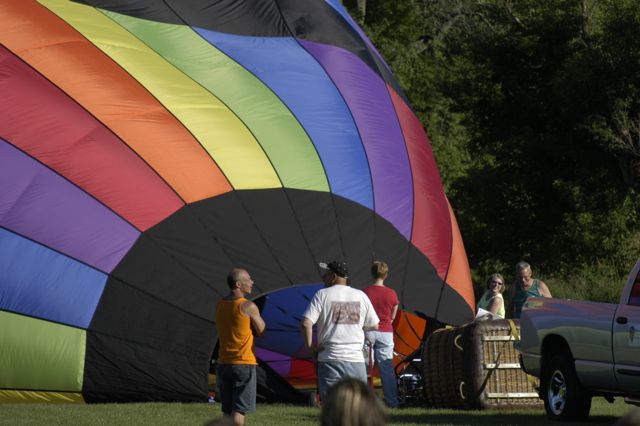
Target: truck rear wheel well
[552,346]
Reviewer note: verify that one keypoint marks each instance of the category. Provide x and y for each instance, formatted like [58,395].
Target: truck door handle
[621,320]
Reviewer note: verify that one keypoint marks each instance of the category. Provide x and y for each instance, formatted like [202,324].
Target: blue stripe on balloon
[282,311]
[42,283]
[301,83]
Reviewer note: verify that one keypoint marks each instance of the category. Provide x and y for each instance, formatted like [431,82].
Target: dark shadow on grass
[473,418]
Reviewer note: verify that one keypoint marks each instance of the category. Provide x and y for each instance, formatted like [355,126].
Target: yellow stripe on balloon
[218,129]
[24,397]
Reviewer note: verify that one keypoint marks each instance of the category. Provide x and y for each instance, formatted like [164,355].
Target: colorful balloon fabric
[282,349]
[147,147]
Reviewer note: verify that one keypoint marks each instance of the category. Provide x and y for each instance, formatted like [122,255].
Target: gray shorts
[330,373]
[237,387]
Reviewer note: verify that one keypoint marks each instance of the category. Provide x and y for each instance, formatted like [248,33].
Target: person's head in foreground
[350,402]
[632,418]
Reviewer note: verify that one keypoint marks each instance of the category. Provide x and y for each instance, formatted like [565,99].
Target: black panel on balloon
[392,248]
[162,266]
[154,323]
[171,379]
[356,235]
[140,348]
[241,17]
[317,217]
[228,222]
[281,234]
[422,286]
[462,314]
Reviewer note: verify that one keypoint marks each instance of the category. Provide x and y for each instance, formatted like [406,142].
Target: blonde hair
[350,402]
[379,269]
[494,276]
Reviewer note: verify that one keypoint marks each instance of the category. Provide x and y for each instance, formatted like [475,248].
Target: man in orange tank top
[236,365]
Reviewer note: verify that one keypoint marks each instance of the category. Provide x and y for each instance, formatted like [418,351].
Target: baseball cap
[339,268]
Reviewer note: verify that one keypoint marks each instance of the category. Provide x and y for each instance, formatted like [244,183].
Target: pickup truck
[582,349]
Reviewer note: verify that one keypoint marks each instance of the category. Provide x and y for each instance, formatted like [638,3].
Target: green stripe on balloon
[279,133]
[43,355]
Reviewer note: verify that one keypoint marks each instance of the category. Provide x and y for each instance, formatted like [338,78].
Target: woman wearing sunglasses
[492,300]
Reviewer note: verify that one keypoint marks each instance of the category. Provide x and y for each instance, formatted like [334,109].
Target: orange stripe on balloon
[459,277]
[103,88]
[408,331]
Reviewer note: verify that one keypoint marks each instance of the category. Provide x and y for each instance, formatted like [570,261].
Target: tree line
[533,112]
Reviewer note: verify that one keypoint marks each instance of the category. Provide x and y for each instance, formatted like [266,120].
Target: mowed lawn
[602,413]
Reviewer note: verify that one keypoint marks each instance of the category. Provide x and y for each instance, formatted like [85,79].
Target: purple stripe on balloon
[39,204]
[367,97]
[280,363]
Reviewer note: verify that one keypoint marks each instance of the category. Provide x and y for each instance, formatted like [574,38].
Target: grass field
[602,413]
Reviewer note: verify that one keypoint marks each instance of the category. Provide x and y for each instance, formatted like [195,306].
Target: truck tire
[564,397]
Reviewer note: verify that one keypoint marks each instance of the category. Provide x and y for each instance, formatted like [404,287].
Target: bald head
[234,276]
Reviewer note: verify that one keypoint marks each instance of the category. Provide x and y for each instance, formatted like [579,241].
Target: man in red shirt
[385,302]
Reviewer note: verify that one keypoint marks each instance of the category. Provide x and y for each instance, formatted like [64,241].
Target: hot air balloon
[148,147]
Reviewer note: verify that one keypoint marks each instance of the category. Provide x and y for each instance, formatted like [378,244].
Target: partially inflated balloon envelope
[147,147]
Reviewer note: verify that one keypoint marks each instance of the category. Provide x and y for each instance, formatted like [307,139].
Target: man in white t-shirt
[342,315]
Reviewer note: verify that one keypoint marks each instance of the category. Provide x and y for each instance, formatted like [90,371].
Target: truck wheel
[563,395]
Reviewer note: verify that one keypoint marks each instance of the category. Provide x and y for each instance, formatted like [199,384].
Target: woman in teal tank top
[492,300]
[525,287]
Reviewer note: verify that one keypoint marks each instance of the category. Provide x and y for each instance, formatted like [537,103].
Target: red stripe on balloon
[45,123]
[302,373]
[431,232]
[68,60]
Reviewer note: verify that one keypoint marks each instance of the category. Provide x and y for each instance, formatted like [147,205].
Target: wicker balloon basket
[476,367]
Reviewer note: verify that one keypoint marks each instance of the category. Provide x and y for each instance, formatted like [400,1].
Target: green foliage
[533,110]
[593,282]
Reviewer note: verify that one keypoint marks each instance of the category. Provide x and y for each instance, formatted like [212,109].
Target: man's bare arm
[251,310]
[307,334]
[544,290]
